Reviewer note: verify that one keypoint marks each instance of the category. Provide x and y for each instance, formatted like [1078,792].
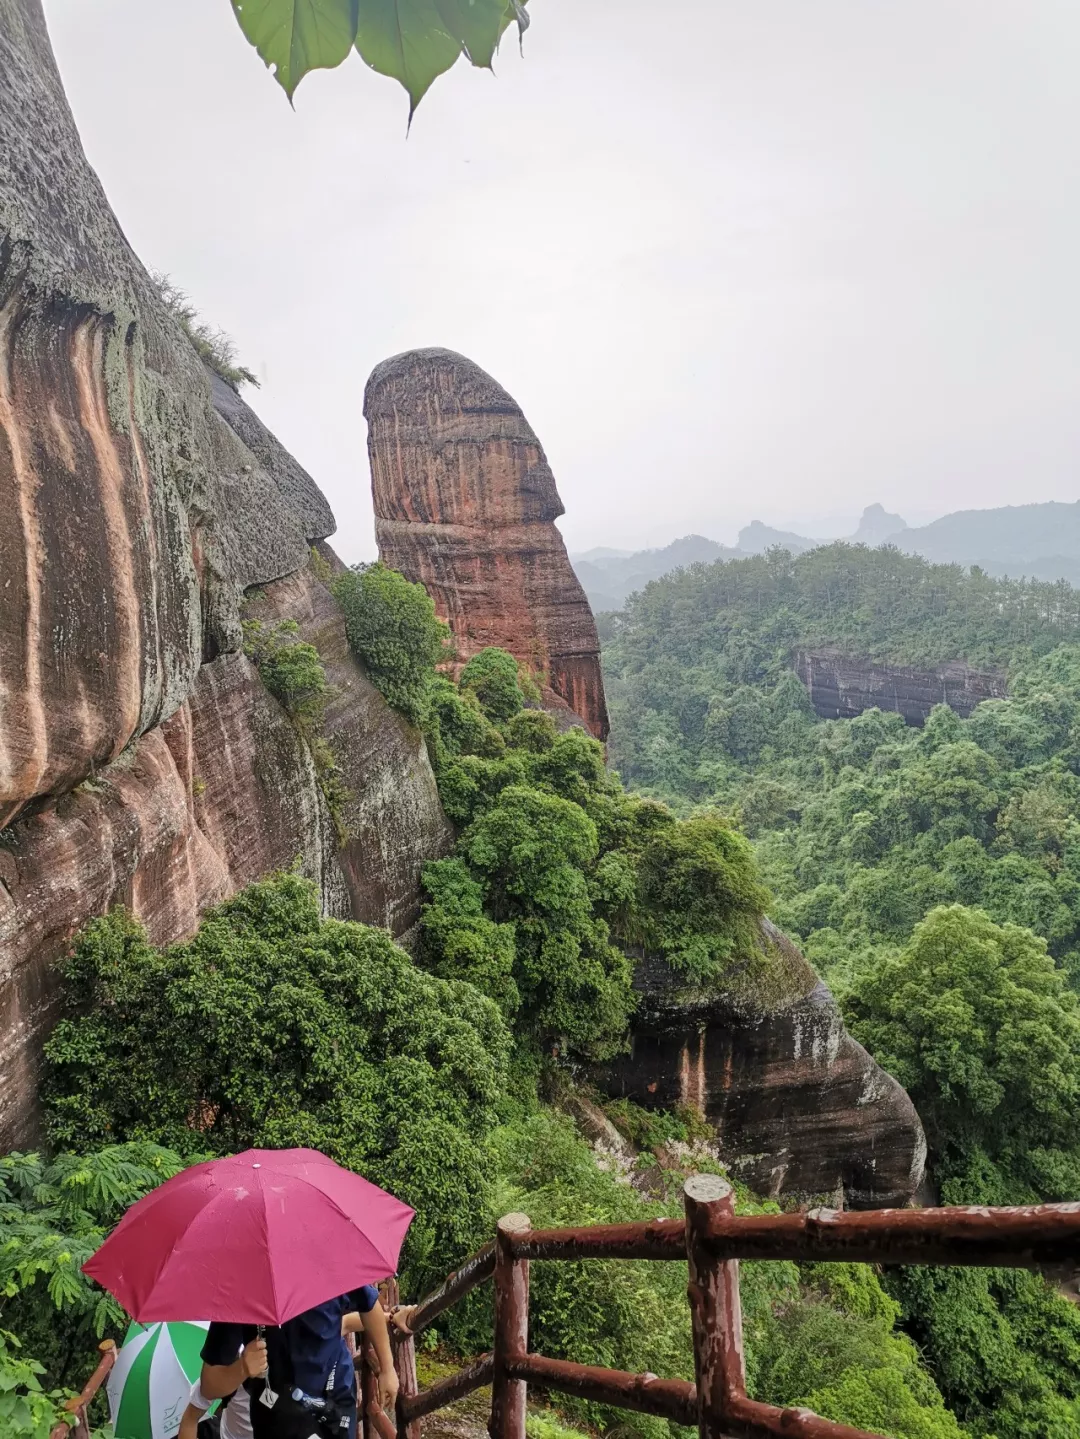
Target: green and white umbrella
[151,1380]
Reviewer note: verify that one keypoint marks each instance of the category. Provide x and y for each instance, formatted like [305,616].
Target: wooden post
[79,1405]
[404,1347]
[369,1388]
[511,1331]
[715,1308]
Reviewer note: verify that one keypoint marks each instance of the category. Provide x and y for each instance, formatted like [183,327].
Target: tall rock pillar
[465,502]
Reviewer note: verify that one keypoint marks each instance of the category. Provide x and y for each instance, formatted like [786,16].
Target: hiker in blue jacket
[306,1386]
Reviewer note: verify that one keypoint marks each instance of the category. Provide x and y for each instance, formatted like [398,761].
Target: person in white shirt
[236,1414]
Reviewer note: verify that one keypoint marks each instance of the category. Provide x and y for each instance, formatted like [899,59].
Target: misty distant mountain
[609,577]
[756,538]
[1040,541]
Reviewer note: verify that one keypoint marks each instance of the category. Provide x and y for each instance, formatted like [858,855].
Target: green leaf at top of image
[477,25]
[415,41]
[410,41]
[296,36]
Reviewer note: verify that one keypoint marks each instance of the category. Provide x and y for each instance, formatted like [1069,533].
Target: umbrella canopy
[253,1239]
[150,1382]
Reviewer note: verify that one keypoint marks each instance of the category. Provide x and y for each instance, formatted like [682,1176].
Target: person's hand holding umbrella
[221,1379]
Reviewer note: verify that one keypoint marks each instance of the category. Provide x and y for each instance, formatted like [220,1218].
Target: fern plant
[53,1214]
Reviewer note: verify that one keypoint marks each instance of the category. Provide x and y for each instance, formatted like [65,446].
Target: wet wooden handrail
[711,1239]
[79,1405]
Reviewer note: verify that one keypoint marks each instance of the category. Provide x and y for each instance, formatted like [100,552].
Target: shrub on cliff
[699,899]
[213,346]
[291,669]
[393,629]
[532,851]
[570,869]
[493,676]
[274,1027]
[293,672]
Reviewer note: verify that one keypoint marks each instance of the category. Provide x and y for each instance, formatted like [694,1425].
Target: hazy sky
[736,259]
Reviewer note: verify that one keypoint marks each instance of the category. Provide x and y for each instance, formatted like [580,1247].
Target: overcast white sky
[736,259]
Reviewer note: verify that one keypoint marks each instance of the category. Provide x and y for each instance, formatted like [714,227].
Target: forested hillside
[932,875]
[443,1077]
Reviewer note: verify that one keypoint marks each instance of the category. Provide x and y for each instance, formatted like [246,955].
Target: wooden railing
[713,1239]
[81,1403]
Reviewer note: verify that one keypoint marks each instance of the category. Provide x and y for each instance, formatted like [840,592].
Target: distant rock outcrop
[841,686]
[799,1108]
[142,761]
[877,526]
[465,502]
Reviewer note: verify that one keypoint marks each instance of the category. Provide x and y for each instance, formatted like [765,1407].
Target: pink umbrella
[254,1239]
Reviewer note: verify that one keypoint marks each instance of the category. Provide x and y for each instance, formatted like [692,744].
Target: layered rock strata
[842,686]
[465,503]
[799,1108]
[141,759]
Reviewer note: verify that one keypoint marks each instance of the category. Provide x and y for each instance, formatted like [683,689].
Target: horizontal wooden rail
[1033,1236]
[448,1390]
[475,1270]
[659,1239]
[674,1399]
[746,1419]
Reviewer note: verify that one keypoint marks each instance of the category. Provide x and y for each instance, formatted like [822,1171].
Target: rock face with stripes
[141,759]
[842,685]
[465,503]
[798,1107]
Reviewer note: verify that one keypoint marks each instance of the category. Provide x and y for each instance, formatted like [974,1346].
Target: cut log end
[707,1188]
[514,1224]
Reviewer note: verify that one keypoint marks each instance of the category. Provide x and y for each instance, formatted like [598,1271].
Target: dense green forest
[443,1076]
[931,875]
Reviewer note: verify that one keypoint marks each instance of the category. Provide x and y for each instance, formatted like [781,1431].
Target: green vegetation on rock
[559,871]
[293,672]
[213,346]
[393,629]
[274,1028]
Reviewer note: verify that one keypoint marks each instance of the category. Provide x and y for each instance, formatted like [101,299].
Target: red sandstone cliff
[465,502]
[141,759]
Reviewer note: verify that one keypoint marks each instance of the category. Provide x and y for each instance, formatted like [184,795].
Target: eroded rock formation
[465,502]
[842,686]
[799,1107]
[141,759]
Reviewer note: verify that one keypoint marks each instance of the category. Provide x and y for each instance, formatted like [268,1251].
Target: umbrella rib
[345,1215]
[266,1243]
